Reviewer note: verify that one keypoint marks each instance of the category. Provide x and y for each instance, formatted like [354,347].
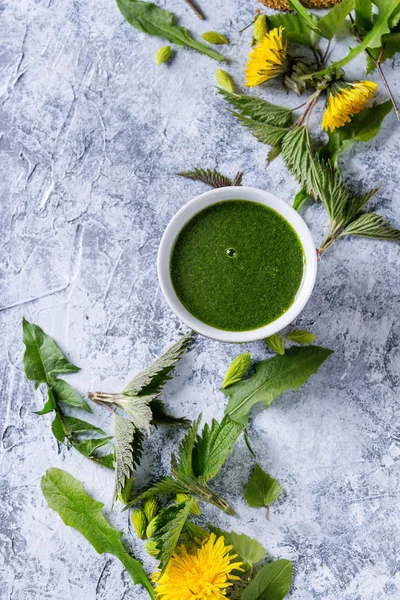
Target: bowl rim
[194,206]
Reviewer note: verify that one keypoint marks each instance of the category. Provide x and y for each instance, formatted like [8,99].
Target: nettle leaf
[372,226]
[77,509]
[182,466]
[307,17]
[249,551]
[43,359]
[355,204]
[65,393]
[150,381]
[162,417]
[169,525]
[330,24]
[74,425]
[264,132]
[300,336]
[137,407]
[362,127]
[153,20]
[129,450]
[259,109]
[275,342]
[237,369]
[272,377]
[167,486]
[261,489]
[213,178]
[213,447]
[363,10]
[295,29]
[272,582]
[390,46]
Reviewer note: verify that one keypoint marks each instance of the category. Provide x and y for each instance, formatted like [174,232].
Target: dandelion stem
[195,9]
[377,63]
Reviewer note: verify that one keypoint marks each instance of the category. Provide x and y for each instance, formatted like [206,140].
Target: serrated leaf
[295,29]
[213,178]
[77,509]
[237,369]
[153,20]
[362,127]
[57,428]
[74,425]
[272,582]
[271,378]
[249,551]
[356,203]
[169,524]
[261,489]
[87,447]
[330,24]
[259,109]
[213,37]
[307,17]
[138,408]
[129,450]
[182,465]
[372,226]
[43,359]
[150,381]
[363,10]
[275,342]
[108,460]
[50,404]
[167,486]
[265,133]
[213,446]
[162,417]
[65,393]
[195,531]
[300,336]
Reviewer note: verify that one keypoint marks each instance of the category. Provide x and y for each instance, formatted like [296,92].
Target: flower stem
[195,9]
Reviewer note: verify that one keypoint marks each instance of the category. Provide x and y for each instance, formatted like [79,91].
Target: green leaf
[182,466]
[272,582]
[272,377]
[275,342]
[107,460]
[330,24]
[65,393]
[66,496]
[265,133]
[363,9]
[391,45]
[169,524]
[224,80]
[259,109]
[74,425]
[137,407]
[373,38]
[249,551]
[153,20]
[237,369]
[362,127]
[57,428]
[162,417]
[167,486]
[304,14]
[150,381]
[355,204]
[87,447]
[50,404]
[213,37]
[129,450]
[261,489]
[213,447]
[295,29]
[43,359]
[213,178]
[300,336]
[163,55]
[300,198]
[372,226]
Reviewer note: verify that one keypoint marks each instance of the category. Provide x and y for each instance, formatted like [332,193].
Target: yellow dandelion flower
[268,59]
[345,100]
[203,575]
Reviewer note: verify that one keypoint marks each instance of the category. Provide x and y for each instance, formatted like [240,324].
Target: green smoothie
[237,265]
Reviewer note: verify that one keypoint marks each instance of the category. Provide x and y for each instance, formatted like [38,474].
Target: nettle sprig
[347,119]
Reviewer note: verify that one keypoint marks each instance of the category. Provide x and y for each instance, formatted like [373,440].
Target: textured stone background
[91,136]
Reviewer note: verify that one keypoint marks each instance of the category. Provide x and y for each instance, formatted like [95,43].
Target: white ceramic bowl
[236,193]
